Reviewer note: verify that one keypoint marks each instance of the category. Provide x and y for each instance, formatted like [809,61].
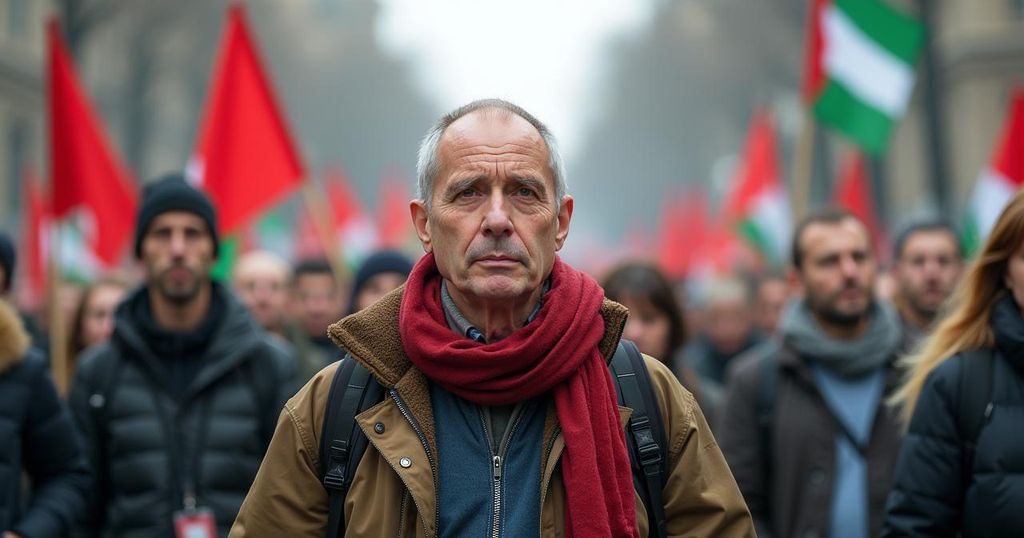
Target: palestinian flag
[758,203]
[860,67]
[999,180]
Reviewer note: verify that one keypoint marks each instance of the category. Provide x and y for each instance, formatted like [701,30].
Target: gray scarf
[848,358]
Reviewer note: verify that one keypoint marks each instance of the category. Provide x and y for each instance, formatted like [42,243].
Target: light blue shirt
[854,401]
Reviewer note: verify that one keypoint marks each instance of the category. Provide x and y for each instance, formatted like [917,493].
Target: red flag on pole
[35,238]
[853,193]
[394,224]
[245,158]
[86,176]
[684,226]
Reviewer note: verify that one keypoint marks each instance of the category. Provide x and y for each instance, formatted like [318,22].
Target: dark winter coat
[151,441]
[802,446]
[36,435]
[929,497]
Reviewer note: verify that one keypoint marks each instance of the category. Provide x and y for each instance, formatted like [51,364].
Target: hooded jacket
[390,499]
[928,496]
[38,437]
[802,455]
[148,444]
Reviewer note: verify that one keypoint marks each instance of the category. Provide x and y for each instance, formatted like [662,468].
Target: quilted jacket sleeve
[927,491]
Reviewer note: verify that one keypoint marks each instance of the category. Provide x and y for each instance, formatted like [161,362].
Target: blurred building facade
[22,94]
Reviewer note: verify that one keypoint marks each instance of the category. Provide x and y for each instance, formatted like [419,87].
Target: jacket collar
[229,346]
[14,340]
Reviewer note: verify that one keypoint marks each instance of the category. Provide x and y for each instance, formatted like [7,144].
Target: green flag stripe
[897,32]
[867,126]
[227,253]
[971,235]
[753,233]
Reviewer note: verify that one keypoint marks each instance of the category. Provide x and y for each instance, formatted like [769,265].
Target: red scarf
[556,352]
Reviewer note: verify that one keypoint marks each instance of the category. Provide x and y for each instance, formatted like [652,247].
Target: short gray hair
[427,163]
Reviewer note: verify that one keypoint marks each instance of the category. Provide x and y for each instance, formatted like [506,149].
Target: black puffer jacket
[35,435]
[148,444]
[928,496]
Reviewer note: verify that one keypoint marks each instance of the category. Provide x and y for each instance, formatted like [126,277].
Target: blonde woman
[948,481]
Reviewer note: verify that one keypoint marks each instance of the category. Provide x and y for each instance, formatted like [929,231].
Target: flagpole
[55,316]
[804,161]
[322,218]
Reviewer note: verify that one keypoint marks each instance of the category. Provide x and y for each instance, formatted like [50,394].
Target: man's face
[264,291]
[728,325]
[493,226]
[927,270]
[318,302]
[838,271]
[177,252]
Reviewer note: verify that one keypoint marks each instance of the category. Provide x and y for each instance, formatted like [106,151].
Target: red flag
[853,193]
[85,173]
[35,240]
[245,158]
[393,221]
[345,204]
[814,74]
[684,226]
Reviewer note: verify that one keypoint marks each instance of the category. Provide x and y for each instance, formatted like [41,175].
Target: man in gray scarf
[804,426]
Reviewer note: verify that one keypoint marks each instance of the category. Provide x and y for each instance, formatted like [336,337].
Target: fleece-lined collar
[372,336]
[14,339]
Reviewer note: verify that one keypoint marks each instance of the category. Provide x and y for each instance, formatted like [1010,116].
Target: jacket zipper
[426,448]
[401,513]
[498,462]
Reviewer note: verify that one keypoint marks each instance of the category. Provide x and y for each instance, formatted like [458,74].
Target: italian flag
[999,180]
[758,203]
[860,67]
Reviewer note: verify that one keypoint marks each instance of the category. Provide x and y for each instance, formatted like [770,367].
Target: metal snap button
[405,463]
[378,427]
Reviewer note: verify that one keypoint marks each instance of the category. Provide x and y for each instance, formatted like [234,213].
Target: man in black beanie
[178,407]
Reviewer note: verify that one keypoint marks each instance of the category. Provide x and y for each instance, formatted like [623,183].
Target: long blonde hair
[966,324]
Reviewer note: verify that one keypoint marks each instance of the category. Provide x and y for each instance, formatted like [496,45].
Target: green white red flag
[758,203]
[860,67]
[998,182]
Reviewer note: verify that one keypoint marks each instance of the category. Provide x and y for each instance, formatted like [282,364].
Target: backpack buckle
[647,448]
[334,478]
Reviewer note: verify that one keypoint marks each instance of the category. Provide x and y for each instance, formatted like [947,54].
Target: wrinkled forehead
[492,129]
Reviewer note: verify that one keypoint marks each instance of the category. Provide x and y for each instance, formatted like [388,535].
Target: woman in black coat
[943,486]
[37,436]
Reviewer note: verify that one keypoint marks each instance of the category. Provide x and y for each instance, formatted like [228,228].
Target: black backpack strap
[342,442]
[975,406]
[102,384]
[766,389]
[648,450]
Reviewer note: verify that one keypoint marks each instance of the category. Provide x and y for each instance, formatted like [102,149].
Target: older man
[260,278]
[500,416]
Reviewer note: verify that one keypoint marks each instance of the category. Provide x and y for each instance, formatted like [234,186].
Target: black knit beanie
[8,256]
[173,193]
[384,261]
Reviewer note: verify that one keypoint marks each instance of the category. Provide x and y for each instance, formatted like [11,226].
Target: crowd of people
[814,403]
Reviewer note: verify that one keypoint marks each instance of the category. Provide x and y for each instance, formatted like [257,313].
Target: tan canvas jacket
[388,499]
